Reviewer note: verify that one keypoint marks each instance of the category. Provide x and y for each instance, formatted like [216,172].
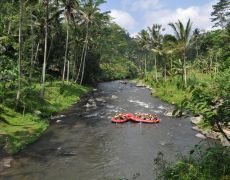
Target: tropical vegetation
[55,48]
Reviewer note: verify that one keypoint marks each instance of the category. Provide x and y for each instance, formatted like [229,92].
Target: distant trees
[66,39]
[156,40]
[197,56]
[143,40]
[221,13]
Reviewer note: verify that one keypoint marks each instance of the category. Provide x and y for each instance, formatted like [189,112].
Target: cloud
[145,4]
[124,19]
[200,16]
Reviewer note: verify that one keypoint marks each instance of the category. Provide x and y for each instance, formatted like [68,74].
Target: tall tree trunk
[32,46]
[67,78]
[165,72]
[83,67]
[197,53]
[184,68]
[145,64]
[74,70]
[66,53]
[42,93]
[155,65]
[210,67]
[216,69]
[80,66]
[51,46]
[19,53]
[171,63]
[9,28]
[36,53]
[84,59]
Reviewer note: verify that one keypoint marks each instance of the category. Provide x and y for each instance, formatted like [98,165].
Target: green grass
[212,163]
[172,90]
[18,130]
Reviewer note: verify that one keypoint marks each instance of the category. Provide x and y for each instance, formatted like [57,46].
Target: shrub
[212,163]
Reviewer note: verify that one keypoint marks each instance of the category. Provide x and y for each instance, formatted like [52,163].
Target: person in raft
[146,116]
[119,116]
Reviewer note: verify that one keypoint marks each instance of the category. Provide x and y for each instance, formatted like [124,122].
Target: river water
[83,144]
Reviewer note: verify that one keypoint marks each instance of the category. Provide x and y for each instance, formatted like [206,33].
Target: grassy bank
[212,163]
[206,95]
[203,95]
[172,91]
[24,126]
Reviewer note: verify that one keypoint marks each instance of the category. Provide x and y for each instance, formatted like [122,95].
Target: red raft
[137,119]
[121,118]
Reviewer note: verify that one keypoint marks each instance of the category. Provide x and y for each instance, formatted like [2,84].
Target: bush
[212,163]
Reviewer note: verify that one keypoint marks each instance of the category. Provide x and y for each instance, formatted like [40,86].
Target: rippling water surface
[85,145]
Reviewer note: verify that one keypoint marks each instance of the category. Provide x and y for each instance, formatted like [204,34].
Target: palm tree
[46,4]
[71,7]
[183,35]
[156,39]
[92,17]
[21,3]
[143,40]
[30,4]
[196,35]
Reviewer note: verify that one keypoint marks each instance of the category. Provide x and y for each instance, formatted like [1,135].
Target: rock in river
[114,97]
[201,136]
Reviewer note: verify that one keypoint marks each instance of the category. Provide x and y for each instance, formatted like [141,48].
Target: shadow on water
[84,144]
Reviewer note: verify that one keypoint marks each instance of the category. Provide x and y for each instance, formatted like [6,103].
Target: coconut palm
[196,35]
[30,7]
[46,4]
[21,3]
[71,8]
[183,35]
[156,39]
[92,17]
[143,39]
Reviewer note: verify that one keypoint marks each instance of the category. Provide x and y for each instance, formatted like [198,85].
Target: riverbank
[169,92]
[85,139]
[18,129]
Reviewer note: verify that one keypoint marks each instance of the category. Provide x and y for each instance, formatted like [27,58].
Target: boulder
[212,134]
[224,141]
[100,100]
[6,162]
[169,113]
[196,128]
[140,85]
[37,112]
[91,100]
[114,97]
[90,105]
[196,120]
[201,136]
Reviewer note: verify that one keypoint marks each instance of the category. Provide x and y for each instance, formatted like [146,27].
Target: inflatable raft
[138,120]
[115,120]
[122,118]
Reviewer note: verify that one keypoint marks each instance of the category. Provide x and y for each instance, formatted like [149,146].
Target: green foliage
[221,14]
[25,126]
[222,82]
[212,163]
[120,70]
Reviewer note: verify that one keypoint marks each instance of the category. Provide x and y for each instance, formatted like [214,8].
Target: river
[83,144]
